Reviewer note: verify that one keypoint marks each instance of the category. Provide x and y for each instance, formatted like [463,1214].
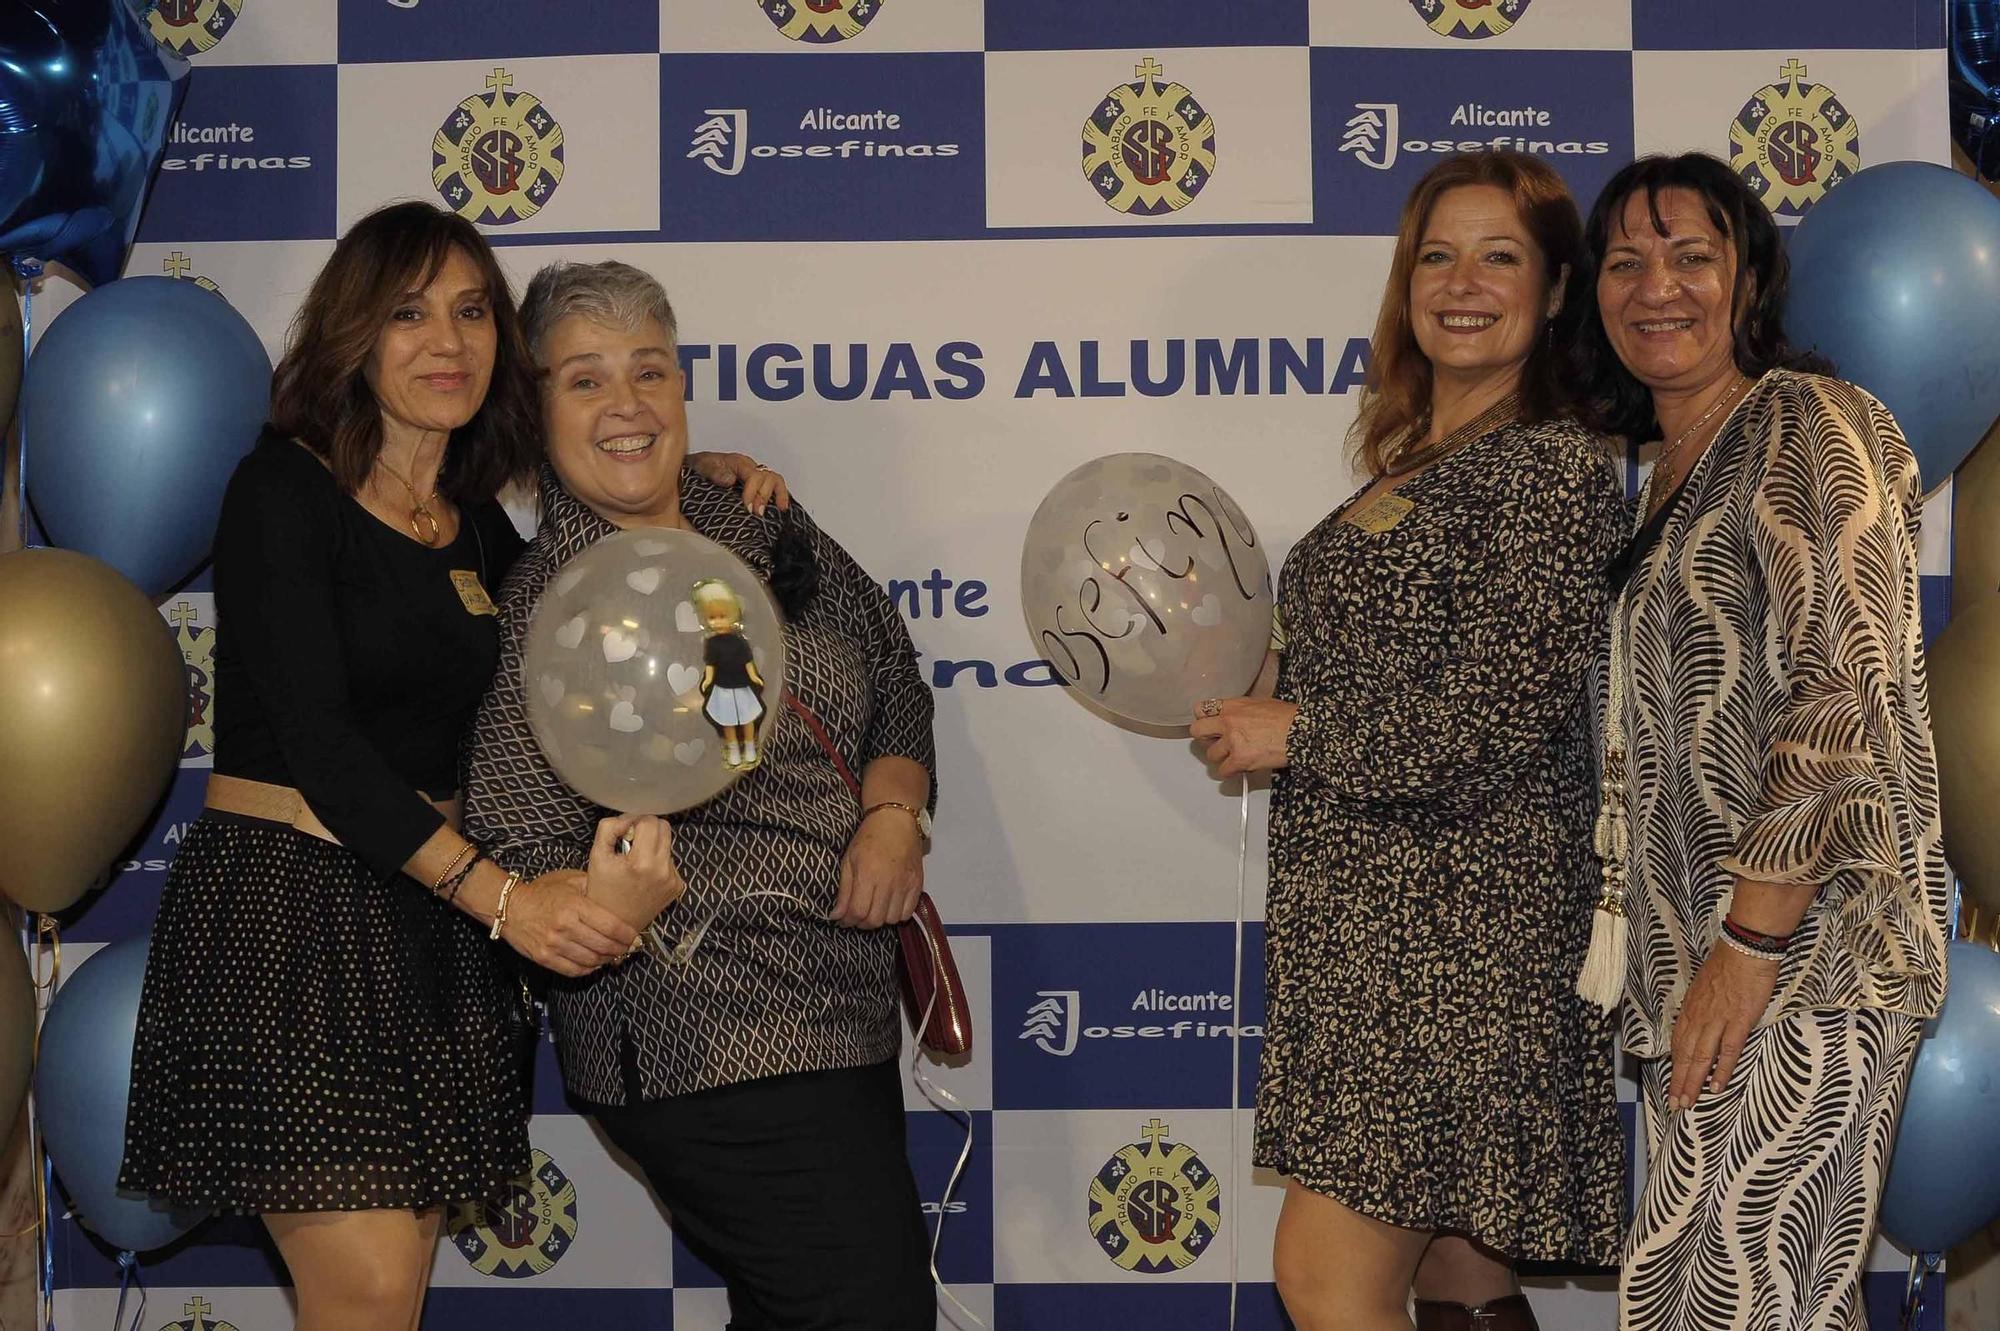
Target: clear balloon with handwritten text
[654,669]
[1145,588]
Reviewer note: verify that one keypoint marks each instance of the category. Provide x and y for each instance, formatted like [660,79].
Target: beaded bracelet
[1775,944]
[450,892]
[463,851]
[1733,941]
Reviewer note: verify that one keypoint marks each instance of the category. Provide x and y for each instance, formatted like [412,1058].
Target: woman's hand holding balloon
[1243,734]
[640,881]
[552,921]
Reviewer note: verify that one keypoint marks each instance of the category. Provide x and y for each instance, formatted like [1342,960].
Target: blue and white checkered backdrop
[901,282]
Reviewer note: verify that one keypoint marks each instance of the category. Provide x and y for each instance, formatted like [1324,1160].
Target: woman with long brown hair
[327,1038]
[1438,1097]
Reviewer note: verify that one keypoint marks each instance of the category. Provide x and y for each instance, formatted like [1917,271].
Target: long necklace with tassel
[1602,979]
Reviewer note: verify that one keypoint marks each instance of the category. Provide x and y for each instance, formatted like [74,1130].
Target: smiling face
[1479,290]
[1666,300]
[615,415]
[433,361]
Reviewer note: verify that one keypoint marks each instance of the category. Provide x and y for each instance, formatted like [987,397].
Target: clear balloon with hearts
[654,670]
[1146,588]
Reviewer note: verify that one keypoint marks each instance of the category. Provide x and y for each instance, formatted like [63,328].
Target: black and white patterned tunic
[1777,718]
[774,986]
[1427,1061]
[1779,732]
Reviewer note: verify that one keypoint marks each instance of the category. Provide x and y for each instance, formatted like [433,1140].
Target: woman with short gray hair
[752,1077]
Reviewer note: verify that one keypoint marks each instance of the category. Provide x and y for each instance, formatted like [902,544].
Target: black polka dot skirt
[312,1039]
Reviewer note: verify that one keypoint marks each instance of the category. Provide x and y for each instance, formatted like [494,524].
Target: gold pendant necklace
[424,524]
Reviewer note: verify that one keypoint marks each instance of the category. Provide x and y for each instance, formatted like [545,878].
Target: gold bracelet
[500,911]
[463,851]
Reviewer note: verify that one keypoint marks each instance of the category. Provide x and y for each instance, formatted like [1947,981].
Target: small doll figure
[732,689]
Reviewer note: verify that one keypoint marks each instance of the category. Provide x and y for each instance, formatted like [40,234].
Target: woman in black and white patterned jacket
[754,1080]
[1788,896]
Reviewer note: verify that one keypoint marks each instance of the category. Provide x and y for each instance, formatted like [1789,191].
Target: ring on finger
[1209,707]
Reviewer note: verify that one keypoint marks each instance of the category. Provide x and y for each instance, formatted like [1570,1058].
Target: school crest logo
[1793,141]
[179,265]
[1149,147]
[198,1318]
[523,1233]
[1155,1206]
[194,631]
[1471,20]
[193,26]
[820,21]
[498,157]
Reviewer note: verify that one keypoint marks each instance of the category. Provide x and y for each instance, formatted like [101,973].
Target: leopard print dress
[1427,1061]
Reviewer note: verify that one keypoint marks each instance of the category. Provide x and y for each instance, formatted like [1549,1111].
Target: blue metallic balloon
[86,96]
[139,400]
[1896,276]
[1944,1179]
[83,1082]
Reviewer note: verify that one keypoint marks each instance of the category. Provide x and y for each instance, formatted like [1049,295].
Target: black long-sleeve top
[348,660]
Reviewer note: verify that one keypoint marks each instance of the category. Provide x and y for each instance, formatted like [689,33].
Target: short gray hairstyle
[611,293]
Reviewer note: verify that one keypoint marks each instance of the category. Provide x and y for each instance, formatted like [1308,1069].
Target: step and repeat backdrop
[929,255]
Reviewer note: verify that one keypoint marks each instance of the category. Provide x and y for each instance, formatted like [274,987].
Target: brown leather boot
[1509,1314]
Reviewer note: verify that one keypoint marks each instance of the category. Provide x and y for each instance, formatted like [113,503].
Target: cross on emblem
[198,1307]
[183,615]
[1154,1131]
[1150,70]
[1794,71]
[499,81]
[177,265]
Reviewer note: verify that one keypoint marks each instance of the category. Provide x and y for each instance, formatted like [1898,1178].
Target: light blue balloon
[83,1081]
[140,399]
[1944,1179]
[1896,277]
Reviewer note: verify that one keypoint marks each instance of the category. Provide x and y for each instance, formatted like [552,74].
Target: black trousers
[797,1191]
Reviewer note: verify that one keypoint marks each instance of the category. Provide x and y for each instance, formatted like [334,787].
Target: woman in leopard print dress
[1439,1098]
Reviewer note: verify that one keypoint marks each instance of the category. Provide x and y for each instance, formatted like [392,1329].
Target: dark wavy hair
[320,396]
[1398,396]
[1608,398]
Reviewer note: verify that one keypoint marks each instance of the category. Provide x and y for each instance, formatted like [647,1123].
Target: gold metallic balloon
[1964,665]
[1975,525]
[93,706]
